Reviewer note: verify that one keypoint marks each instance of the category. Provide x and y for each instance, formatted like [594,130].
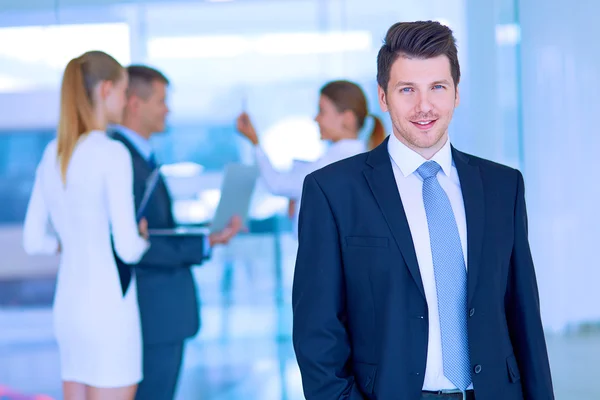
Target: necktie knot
[429,169]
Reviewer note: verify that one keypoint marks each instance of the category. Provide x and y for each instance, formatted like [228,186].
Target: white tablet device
[237,188]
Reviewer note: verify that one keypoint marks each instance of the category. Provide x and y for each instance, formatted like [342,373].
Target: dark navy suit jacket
[166,289]
[360,313]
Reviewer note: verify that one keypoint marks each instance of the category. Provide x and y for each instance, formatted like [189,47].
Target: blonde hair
[81,76]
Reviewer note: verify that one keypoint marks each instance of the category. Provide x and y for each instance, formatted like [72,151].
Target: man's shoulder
[118,136]
[486,164]
[124,142]
[499,175]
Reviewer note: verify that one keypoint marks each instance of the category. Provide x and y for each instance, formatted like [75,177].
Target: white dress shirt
[410,186]
[289,183]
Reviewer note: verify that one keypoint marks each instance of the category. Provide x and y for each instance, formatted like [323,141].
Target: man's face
[420,97]
[153,110]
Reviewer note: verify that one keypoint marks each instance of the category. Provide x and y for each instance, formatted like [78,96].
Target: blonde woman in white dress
[84,191]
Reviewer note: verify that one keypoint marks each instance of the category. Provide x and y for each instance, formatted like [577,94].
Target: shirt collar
[409,160]
[141,144]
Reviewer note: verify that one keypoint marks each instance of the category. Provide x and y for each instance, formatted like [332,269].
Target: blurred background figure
[166,288]
[342,114]
[84,190]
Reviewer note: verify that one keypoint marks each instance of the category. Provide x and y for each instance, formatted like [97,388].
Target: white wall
[561,102]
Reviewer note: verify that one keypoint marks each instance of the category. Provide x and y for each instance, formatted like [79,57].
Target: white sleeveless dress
[96,327]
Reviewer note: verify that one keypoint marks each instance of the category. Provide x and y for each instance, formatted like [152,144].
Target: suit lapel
[161,191]
[473,197]
[380,178]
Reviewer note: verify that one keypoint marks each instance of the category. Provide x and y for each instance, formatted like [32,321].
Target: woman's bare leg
[74,391]
[122,393]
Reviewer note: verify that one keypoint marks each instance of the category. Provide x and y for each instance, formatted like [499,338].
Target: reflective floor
[243,350]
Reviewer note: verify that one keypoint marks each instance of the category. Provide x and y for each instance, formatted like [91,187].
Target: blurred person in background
[343,111]
[84,190]
[166,288]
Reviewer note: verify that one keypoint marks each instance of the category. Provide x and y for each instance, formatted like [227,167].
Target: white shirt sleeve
[128,243]
[286,183]
[37,238]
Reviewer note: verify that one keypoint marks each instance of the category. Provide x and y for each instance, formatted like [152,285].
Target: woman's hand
[245,127]
[143,228]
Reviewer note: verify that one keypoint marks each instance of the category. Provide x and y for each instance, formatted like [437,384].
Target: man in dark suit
[166,289]
[414,277]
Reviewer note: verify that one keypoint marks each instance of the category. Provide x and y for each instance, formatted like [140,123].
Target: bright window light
[54,45]
[508,34]
[292,138]
[311,43]
[10,83]
[221,46]
[197,47]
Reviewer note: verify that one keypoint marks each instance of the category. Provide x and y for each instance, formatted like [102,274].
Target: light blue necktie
[450,277]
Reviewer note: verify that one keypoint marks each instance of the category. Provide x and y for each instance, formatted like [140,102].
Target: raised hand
[245,127]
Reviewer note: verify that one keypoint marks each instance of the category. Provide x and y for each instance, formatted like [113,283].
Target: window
[20,153]
[34,57]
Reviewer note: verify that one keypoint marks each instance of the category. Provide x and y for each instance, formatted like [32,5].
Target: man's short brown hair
[420,39]
[141,78]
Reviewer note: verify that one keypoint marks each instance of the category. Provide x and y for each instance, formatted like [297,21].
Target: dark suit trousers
[162,364]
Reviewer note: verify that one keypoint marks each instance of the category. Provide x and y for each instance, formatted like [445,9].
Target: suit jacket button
[471,312]
[477,368]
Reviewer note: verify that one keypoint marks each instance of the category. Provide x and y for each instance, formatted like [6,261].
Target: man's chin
[431,140]
[161,130]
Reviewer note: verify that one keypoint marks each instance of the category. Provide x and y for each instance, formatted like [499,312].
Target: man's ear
[456,97]
[133,103]
[382,99]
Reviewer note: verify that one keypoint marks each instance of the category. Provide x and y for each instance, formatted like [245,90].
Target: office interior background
[528,99]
